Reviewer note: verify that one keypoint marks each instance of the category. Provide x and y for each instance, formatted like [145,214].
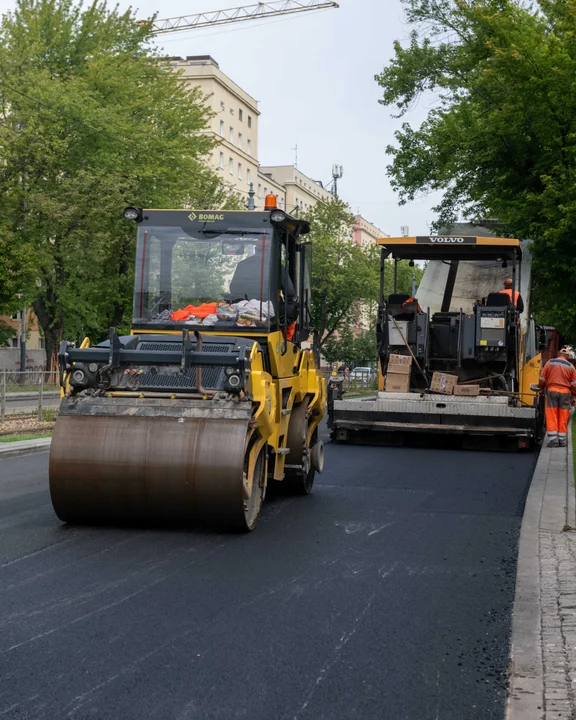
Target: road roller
[212,396]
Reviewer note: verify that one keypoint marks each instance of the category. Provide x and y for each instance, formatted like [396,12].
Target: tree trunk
[316,347]
[52,333]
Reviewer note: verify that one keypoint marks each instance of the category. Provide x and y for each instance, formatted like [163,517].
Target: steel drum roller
[123,468]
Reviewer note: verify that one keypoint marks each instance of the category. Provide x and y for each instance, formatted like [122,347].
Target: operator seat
[395,302]
[497,299]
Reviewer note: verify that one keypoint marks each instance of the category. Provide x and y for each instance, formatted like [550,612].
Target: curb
[550,505]
[24,447]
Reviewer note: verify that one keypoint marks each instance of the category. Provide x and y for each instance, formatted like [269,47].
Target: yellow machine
[212,395]
[463,328]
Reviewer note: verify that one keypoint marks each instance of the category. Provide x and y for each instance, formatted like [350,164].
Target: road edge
[25,447]
[526,674]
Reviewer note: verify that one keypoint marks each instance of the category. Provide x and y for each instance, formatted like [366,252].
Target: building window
[240,140]
[222,105]
[249,121]
[221,128]
[265,191]
[231,166]
[249,146]
[240,115]
[231,136]
[248,176]
[259,190]
[222,161]
[239,171]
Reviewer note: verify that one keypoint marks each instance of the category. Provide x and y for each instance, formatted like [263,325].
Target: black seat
[395,308]
[498,299]
[398,299]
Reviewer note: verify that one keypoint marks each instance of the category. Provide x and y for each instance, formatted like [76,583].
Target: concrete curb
[550,506]
[526,685]
[24,447]
[31,395]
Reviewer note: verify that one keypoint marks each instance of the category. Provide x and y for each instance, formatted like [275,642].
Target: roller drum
[134,469]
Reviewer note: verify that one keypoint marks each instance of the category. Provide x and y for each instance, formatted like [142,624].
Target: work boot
[562,443]
[553,443]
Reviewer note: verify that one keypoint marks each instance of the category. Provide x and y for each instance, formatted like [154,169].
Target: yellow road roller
[212,395]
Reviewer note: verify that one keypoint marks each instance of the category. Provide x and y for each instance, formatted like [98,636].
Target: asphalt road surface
[385,595]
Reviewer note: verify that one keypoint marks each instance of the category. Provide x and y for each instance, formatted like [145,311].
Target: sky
[313,76]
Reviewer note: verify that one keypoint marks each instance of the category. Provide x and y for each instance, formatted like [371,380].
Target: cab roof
[452,247]
[220,220]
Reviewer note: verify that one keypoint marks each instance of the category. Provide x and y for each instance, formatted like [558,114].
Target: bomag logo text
[206,217]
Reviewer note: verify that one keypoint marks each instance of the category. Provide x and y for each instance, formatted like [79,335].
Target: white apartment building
[301,191]
[234,123]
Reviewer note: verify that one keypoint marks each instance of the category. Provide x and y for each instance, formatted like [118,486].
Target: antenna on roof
[337,173]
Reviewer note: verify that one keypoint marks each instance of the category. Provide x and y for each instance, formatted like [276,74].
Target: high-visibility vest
[508,291]
[409,301]
[558,375]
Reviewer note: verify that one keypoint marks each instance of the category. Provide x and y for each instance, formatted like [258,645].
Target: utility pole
[23,342]
[296,155]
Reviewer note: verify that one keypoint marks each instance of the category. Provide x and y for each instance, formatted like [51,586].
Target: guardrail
[25,386]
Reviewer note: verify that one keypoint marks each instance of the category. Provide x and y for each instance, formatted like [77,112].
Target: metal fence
[33,390]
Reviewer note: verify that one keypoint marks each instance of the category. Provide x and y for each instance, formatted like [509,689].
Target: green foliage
[343,273]
[90,121]
[6,333]
[500,139]
[352,350]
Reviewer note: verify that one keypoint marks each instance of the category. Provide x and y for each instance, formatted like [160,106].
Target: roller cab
[212,395]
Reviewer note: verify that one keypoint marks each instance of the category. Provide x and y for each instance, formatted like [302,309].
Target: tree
[350,349]
[500,138]
[354,347]
[91,120]
[6,333]
[343,274]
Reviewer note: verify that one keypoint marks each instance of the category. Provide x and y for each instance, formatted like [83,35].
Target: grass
[30,436]
[11,388]
[360,391]
[49,414]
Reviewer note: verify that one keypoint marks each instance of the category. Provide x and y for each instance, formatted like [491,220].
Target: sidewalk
[543,651]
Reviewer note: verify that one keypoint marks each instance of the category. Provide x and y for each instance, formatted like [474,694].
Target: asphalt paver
[385,595]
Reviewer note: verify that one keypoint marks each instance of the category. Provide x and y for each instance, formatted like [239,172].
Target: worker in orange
[558,378]
[412,304]
[518,302]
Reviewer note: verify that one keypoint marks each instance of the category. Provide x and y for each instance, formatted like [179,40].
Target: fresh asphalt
[385,595]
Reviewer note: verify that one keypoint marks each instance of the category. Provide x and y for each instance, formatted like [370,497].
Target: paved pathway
[543,683]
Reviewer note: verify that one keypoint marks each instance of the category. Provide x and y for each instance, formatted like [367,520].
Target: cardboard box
[468,390]
[395,359]
[403,369]
[397,383]
[443,383]
[400,364]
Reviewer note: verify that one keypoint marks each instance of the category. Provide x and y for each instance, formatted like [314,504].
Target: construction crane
[239,14]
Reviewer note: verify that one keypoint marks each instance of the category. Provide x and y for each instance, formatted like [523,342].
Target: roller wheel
[123,469]
[255,492]
[299,480]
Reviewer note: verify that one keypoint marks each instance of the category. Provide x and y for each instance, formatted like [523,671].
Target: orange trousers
[557,414]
